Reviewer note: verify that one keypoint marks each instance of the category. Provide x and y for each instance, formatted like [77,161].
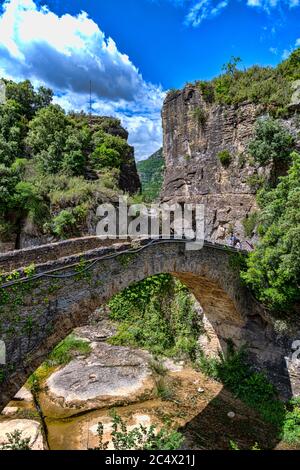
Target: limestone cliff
[195,131]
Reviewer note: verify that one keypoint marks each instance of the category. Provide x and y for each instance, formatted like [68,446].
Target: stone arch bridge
[41,304]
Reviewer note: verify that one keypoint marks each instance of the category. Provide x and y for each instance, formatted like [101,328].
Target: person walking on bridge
[235,242]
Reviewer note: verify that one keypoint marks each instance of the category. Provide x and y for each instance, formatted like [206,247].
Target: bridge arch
[61,294]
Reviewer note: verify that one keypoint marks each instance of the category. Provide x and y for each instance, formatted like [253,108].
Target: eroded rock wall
[194,133]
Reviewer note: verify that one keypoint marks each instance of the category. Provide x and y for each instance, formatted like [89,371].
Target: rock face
[129,181]
[194,133]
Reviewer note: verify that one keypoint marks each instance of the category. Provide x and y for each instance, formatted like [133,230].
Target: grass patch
[62,354]
[158,368]
[164,390]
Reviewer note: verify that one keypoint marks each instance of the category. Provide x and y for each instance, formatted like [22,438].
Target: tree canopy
[273,268]
[37,140]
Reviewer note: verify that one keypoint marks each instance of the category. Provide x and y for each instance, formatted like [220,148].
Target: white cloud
[285,54]
[200,10]
[145,133]
[66,52]
[203,10]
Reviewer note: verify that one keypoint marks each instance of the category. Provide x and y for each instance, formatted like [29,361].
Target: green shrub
[273,267]
[63,223]
[255,182]
[104,157]
[251,387]
[225,157]
[207,91]
[270,87]
[16,442]
[139,438]
[64,351]
[291,425]
[249,224]
[271,142]
[200,116]
[157,314]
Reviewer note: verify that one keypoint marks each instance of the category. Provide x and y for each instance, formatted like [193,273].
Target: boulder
[24,395]
[109,376]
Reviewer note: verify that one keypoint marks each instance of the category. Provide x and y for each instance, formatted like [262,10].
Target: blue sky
[134,50]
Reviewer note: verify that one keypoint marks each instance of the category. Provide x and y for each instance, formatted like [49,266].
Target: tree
[27,98]
[110,151]
[231,67]
[58,143]
[290,67]
[12,132]
[272,142]
[76,150]
[47,137]
[43,98]
[273,268]
[104,157]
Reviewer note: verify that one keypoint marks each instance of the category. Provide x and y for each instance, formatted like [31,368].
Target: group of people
[236,243]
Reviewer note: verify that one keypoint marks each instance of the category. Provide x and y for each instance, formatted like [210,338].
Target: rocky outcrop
[194,133]
[129,180]
[125,179]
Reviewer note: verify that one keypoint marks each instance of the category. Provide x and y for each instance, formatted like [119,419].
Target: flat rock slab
[29,429]
[110,375]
